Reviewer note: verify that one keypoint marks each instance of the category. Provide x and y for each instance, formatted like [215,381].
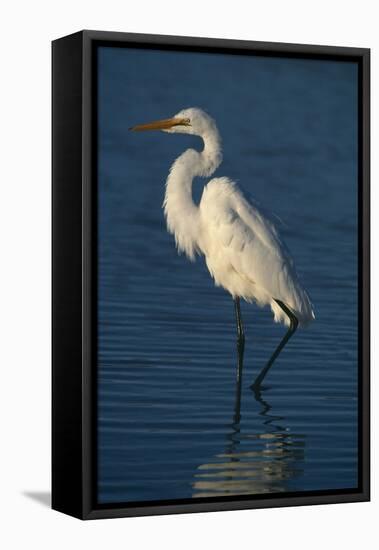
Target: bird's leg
[240,351]
[292,328]
[240,332]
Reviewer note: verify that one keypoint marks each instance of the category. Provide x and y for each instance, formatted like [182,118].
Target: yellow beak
[164,124]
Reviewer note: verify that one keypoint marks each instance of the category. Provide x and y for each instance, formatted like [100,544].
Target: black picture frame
[74,273]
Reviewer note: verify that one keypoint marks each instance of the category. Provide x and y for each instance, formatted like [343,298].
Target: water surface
[167,350]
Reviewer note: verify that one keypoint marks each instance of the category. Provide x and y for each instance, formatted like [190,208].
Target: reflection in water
[164,329]
[252,463]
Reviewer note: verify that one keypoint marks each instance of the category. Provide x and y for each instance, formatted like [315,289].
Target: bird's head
[192,121]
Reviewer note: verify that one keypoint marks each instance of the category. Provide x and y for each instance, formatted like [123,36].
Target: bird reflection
[253,462]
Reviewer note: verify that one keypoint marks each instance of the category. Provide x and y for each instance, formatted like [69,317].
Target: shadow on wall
[42,497]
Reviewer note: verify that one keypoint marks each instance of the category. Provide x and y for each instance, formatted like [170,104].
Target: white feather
[243,250]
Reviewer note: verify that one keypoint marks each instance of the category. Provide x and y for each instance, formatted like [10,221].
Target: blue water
[167,351]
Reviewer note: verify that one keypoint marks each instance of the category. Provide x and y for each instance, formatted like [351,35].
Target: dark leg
[292,328]
[240,333]
[240,351]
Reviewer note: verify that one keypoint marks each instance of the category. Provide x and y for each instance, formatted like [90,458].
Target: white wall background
[26,31]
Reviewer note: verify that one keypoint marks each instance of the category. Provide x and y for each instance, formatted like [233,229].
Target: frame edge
[83,505]
[67,67]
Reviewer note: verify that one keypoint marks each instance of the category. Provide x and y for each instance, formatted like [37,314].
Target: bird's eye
[187,121]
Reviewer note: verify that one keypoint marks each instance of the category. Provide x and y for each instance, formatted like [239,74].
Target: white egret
[243,250]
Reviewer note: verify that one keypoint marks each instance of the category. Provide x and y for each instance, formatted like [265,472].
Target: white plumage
[243,250]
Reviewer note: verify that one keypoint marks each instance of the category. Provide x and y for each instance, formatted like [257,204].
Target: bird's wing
[249,240]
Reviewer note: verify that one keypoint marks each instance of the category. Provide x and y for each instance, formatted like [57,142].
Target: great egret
[243,250]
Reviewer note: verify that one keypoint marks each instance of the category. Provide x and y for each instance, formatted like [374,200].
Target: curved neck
[181,212]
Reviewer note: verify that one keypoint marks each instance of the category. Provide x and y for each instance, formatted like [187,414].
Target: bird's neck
[182,214]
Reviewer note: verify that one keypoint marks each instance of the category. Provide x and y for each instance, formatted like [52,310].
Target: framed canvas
[239,380]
